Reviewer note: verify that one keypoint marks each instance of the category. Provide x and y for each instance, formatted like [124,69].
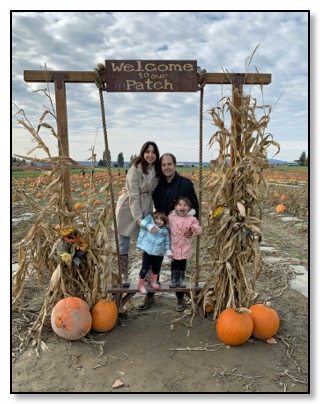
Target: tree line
[119,163]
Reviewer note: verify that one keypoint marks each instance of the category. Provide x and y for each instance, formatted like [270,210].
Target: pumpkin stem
[242,310]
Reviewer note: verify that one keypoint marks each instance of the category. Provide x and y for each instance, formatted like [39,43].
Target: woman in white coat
[142,178]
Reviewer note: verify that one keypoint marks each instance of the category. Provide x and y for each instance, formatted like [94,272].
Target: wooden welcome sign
[151,75]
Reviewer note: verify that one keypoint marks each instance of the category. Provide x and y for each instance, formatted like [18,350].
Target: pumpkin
[71,318]
[96,202]
[283,197]
[104,316]
[78,205]
[234,326]
[39,195]
[208,308]
[280,208]
[265,321]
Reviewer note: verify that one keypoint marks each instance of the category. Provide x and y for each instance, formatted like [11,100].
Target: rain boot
[174,278]
[153,283]
[180,306]
[124,269]
[141,287]
[148,276]
[181,281]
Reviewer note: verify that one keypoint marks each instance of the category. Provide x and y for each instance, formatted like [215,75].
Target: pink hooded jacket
[181,246]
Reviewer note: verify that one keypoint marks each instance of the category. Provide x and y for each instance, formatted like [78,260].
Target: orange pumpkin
[265,321]
[78,205]
[234,326]
[280,208]
[209,308]
[104,316]
[71,318]
[39,195]
[96,202]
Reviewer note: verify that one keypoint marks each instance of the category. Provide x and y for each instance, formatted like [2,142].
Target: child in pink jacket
[181,220]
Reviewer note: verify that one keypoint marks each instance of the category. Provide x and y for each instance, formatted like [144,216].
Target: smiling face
[182,207]
[168,167]
[150,155]
[159,222]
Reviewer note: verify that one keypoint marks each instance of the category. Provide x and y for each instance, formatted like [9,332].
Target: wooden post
[62,128]
[237,87]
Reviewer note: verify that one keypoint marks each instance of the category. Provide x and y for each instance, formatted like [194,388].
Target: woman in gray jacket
[132,206]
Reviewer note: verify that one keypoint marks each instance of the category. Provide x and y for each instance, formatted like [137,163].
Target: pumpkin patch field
[263,348]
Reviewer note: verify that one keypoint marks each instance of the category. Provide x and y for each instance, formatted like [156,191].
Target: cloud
[217,40]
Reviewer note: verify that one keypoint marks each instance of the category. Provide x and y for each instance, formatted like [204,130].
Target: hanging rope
[201,87]
[102,87]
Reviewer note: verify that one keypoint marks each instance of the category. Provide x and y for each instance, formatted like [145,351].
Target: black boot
[146,302]
[180,306]
[125,271]
[181,281]
[174,278]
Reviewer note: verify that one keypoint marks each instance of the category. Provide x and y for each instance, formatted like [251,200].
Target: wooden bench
[123,295]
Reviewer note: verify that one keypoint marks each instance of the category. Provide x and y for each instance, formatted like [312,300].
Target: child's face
[159,222]
[182,207]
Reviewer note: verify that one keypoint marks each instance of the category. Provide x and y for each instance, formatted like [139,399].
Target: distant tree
[120,160]
[132,157]
[303,159]
[101,163]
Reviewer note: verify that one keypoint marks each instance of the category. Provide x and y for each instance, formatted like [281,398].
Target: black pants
[178,265]
[148,260]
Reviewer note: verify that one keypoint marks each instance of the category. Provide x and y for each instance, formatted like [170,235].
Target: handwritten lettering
[151,67]
[148,85]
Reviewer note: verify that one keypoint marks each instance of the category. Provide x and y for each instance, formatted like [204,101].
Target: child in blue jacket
[154,241]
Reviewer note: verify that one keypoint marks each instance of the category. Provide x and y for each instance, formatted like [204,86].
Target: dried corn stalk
[233,211]
[84,269]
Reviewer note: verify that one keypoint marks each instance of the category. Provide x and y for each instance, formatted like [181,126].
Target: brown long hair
[140,159]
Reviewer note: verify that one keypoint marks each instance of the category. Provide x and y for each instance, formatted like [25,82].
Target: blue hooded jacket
[153,243]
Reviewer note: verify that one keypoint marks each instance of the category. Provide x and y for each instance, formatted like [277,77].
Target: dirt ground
[151,352]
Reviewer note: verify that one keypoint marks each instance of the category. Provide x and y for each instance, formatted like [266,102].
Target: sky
[217,40]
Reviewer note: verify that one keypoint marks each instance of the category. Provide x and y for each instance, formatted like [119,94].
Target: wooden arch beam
[60,77]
